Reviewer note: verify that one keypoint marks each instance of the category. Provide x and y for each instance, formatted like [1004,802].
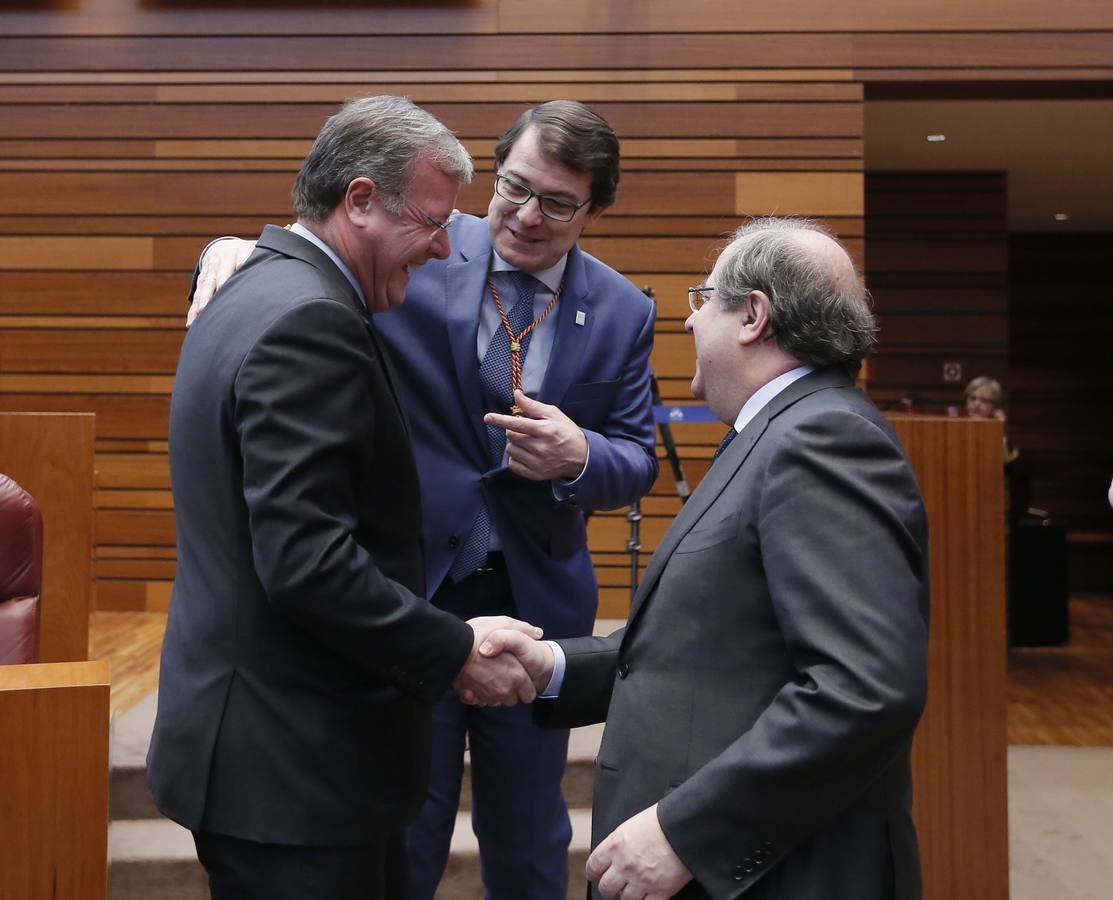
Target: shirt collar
[303,232]
[761,397]
[550,277]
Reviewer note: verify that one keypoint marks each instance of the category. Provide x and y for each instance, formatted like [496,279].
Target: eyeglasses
[698,296]
[520,194]
[422,217]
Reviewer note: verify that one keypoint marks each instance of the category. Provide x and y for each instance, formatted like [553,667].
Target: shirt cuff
[552,689]
[563,489]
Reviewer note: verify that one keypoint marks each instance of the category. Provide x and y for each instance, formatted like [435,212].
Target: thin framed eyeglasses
[698,296]
[423,217]
[520,194]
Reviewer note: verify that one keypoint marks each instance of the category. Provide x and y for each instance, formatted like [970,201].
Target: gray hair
[997,396]
[819,313]
[380,138]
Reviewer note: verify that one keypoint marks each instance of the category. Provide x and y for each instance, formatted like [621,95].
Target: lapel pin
[581,317]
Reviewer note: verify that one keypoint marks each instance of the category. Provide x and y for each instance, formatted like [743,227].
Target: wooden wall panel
[1032,311]
[804,15]
[95,351]
[1059,383]
[145,17]
[135,130]
[937,266]
[152,17]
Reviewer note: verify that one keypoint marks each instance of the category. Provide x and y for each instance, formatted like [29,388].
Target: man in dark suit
[761,700]
[301,657]
[504,529]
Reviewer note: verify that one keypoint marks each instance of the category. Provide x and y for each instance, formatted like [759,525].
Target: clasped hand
[508,663]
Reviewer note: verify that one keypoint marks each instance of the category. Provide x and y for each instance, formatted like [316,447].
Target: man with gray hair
[301,658]
[761,700]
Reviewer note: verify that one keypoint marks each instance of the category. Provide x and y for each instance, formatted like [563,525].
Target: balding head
[819,309]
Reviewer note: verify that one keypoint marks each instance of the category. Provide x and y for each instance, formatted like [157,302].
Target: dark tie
[724,443]
[496,373]
[496,376]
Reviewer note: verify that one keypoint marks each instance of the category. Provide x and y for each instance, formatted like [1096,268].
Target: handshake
[508,663]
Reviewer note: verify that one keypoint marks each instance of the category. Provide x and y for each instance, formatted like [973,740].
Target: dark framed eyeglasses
[698,296]
[551,207]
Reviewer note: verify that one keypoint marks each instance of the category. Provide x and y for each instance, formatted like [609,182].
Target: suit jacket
[773,668]
[598,375]
[300,658]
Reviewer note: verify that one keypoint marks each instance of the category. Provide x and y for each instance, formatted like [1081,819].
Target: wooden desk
[959,756]
[51,456]
[54,781]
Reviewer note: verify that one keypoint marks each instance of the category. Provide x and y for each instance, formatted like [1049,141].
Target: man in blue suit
[568,346]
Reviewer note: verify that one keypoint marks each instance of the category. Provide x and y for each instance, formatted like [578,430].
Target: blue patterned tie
[496,372]
[496,376]
[724,443]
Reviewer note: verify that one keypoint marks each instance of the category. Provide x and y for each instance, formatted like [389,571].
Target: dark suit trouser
[245,870]
[518,810]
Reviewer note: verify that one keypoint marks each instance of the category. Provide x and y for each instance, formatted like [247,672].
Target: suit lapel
[708,491]
[720,474]
[285,242]
[388,372]
[289,244]
[569,339]
[465,291]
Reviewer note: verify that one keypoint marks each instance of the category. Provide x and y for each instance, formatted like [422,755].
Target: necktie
[496,371]
[724,443]
[495,374]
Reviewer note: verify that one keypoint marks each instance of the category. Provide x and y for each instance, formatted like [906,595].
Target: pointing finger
[519,424]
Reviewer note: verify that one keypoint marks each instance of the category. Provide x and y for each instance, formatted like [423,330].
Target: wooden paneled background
[1061,383]
[133,130]
[1034,311]
[937,266]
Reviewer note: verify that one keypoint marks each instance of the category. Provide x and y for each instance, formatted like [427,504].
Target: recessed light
[936,138]
[1061,217]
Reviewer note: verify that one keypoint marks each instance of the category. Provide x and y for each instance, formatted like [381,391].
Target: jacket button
[748,865]
[738,873]
[453,542]
[623,670]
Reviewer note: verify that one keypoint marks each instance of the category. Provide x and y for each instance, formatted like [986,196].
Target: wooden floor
[1064,695]
[131,642]
[1057,695]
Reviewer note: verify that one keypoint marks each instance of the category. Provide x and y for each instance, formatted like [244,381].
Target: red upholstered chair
[21,570]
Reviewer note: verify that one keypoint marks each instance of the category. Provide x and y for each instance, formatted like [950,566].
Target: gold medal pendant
[515,410]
